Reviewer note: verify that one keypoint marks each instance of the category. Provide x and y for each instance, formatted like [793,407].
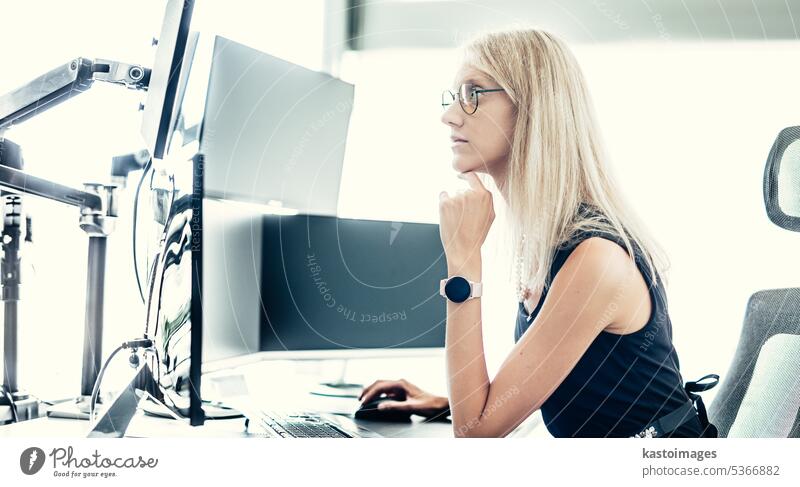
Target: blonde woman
[593,336]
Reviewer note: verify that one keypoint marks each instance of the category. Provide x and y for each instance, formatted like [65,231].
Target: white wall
[689,127]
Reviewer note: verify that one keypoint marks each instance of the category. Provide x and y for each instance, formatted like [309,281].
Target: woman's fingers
[398,406]
[367,390]
[379,387]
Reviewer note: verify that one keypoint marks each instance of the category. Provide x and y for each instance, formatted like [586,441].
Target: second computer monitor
[342,284]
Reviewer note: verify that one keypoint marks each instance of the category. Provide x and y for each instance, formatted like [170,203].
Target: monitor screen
[273,132]
[332,283]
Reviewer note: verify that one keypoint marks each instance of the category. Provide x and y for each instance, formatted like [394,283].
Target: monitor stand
[25,406]
[118,414]
[340,387]
[73,408]
[213,410]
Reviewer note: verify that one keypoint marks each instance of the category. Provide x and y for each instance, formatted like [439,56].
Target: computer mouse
[369,410]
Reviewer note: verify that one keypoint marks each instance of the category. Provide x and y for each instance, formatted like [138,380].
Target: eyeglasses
[467,97]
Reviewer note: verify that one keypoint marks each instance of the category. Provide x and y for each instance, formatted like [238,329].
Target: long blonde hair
[557,161]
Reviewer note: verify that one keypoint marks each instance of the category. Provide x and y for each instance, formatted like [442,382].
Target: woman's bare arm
[591,290]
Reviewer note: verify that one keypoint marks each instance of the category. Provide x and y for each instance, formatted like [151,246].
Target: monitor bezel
[159,108]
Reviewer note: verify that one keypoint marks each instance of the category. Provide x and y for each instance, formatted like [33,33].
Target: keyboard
[301,425]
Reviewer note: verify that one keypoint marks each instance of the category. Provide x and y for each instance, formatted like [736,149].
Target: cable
[138,343]
[150,286]
[158,367]
[163,253]
[96,388]
[147,168]
[12,405]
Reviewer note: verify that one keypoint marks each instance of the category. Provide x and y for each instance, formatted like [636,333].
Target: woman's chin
[462,165]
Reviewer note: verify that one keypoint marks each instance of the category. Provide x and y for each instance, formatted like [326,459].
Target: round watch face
[457,289]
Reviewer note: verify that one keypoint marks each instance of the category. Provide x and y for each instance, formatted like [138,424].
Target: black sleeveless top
[622,382]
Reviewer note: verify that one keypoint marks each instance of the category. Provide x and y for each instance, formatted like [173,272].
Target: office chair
[769,312]
[773,311]
[770,406]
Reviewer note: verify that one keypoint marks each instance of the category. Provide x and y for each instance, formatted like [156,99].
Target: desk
[294,382]
[265,380]
[152,427]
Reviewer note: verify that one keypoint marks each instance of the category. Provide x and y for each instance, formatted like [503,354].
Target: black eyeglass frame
[475,91]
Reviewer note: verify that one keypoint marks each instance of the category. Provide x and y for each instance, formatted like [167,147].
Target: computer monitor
[161,105]
[273,132]
[174,304]
[185,296]
[344,284]
[173,299]
[316,286]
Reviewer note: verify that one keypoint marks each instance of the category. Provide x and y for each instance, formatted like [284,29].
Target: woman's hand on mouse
[465,219]
[404,396]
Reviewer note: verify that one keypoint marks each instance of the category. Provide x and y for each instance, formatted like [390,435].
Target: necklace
[522,291]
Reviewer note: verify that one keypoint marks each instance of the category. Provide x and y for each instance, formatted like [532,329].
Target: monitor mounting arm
[64,82]
[98,212]
[97,205]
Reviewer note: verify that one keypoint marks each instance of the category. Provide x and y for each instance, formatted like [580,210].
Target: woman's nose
[453,115]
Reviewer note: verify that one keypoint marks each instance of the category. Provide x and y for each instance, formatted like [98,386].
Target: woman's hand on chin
[464,221]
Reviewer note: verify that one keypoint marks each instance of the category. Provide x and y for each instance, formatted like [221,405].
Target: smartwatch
[458,289]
